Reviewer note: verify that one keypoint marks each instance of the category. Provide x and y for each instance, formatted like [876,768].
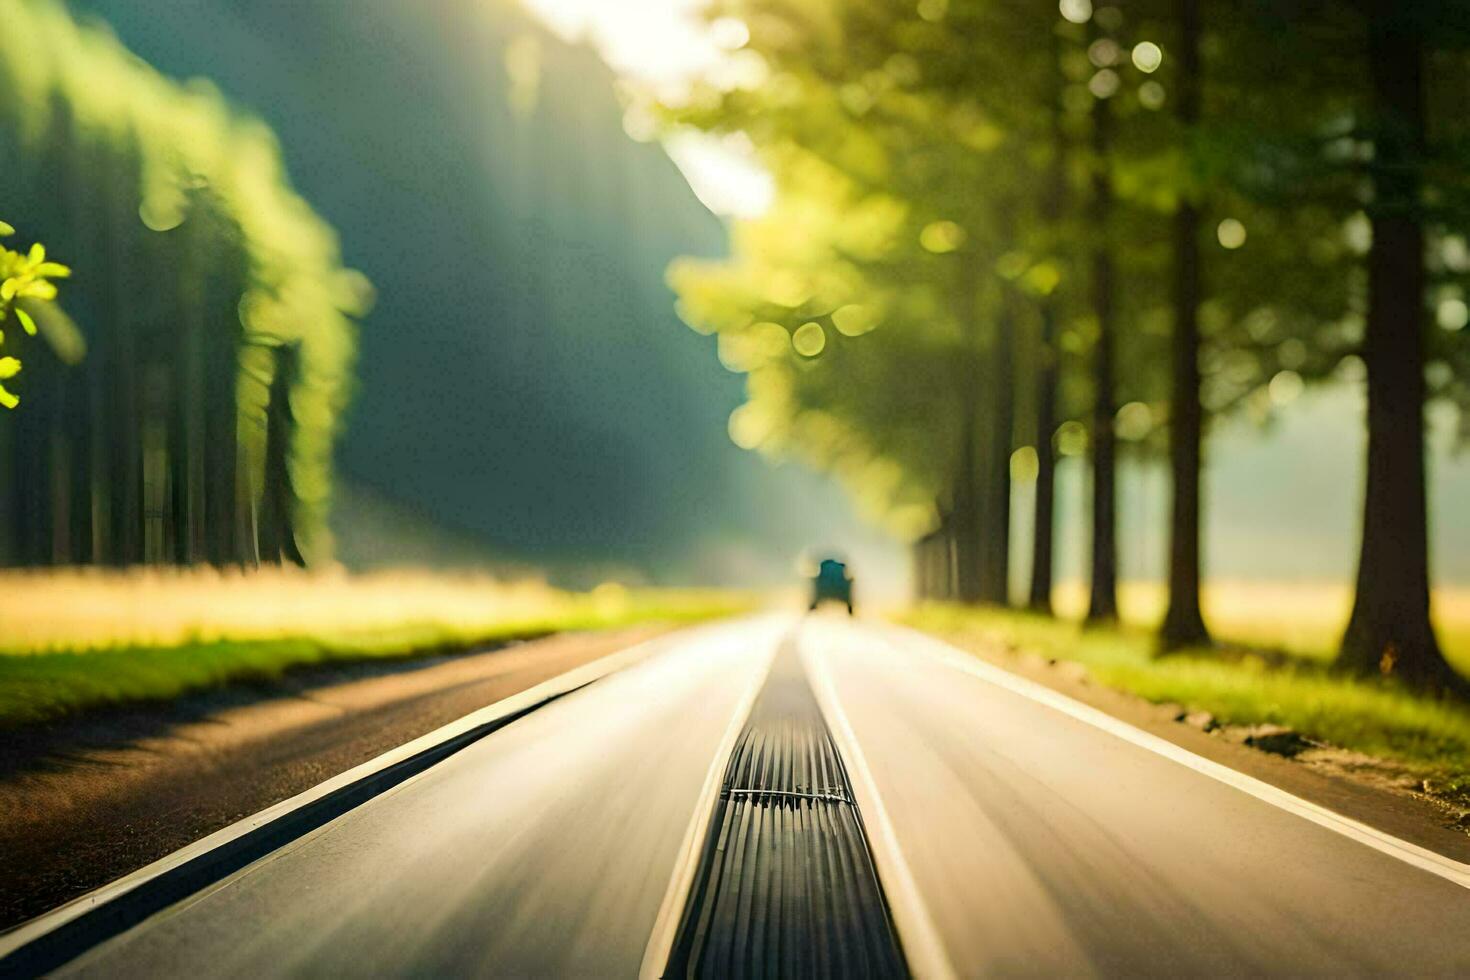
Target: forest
[1010,233]
[193,418]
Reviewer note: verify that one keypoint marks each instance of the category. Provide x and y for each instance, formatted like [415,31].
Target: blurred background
[515,390]
[402,285]
[349,348]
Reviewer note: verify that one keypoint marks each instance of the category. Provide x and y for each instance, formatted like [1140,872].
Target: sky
[662,46]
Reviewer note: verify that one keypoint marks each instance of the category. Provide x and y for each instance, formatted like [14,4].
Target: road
[1005,835]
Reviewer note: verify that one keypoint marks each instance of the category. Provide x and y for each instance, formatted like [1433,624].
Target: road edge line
[1448,868]
[927,956]
[691,849]
[428,749]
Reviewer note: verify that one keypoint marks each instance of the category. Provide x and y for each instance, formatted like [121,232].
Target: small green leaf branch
[23,276]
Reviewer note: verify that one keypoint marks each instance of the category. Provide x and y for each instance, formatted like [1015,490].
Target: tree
[1052,211]
[886,99]
[277,534]
[1389,631]
[1102,603]
[1184,625]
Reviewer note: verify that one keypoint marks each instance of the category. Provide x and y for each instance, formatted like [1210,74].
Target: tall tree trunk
[967,523]
[1043,547]
[59,463]
[1103,601]
[1390,631]
[222,419]
[277,532]
[964,528]
[186,420]
[931,566]
[32,466]
[995,583]
[79,431]
[919,561]
[125,467]
[77,201]
[1184,625]
[98,368]
[949,573]
[1043,538]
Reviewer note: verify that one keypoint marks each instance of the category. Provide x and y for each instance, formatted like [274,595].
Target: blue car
[832,583]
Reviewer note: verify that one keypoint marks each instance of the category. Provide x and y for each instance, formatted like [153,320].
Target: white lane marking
[1409,853]
[33,929]
[922,947]
[691,849]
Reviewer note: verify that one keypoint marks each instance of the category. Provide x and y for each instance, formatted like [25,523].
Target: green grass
[1304,619]
[46,685]
[1377,718]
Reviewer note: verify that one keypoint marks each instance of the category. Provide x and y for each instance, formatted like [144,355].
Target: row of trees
[1007,232]
[184,405]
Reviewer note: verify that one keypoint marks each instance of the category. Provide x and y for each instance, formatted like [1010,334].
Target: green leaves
[23,276]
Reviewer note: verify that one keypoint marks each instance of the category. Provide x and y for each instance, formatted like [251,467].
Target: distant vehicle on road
[832,583]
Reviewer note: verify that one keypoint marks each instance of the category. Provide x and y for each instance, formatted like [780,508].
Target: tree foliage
[1052,198]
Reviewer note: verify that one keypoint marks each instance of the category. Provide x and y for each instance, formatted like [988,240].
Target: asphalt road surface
[1005,834]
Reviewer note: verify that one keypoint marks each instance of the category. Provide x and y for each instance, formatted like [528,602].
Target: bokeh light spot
[933,10]
[1285,388]
[1453,314]
[854,320]
[1104,84]
[942,236]
[809,340]
[1104,52]
[1231,233]
[1076,11]
[1133,422]
[1025,465]
[729,33]
[1147,57]
[160,212]
[1357,232]
[1071,438]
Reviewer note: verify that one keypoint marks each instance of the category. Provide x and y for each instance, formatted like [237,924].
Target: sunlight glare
[664,43]
[665,46]
[723,172]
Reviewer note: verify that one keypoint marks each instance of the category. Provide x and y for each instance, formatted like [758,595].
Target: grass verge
[1430,738]
[76,642]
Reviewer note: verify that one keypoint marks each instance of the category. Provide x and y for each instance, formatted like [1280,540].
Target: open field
[75,640]
[1247,685]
